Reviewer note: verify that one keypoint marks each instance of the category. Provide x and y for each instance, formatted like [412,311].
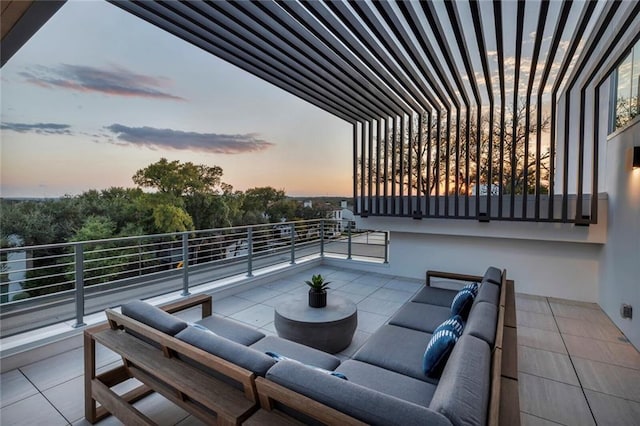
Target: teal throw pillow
[461,304]
[440,346]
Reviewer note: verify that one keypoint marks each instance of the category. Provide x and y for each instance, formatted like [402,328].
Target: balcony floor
[575,366]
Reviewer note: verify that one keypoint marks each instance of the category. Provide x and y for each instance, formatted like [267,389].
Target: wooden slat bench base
[161,368]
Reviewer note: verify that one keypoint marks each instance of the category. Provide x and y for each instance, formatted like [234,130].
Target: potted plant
[317,291]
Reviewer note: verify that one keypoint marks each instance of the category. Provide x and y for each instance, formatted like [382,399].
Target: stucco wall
[620,262]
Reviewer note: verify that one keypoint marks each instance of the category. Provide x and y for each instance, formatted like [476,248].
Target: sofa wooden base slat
[509,402]
[161,368]
[228,403]
[271,418]
[271,392]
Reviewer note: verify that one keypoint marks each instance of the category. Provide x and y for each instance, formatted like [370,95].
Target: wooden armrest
[190,302]
[451,276]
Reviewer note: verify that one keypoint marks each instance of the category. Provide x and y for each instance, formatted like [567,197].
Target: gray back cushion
[488,292]
[463,392]
[493,275]
[224,348]
[232,330]
[153,317]
[302,353]
[364,404]
[482,322]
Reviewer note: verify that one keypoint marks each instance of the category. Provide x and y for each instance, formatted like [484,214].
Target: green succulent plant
[318,284]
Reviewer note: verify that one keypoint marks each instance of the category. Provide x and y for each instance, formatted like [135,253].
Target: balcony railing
[47,284]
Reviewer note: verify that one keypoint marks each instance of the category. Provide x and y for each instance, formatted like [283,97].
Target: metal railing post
[386,247]
[322,238]
[79,267]
[250,251]
[185,264]
[349,240]
[293,243]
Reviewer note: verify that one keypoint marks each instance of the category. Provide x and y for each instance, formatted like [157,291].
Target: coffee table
[329,329]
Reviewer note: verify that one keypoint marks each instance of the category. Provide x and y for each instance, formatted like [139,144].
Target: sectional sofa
[223,371]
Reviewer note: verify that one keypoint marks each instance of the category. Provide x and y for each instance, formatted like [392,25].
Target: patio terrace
[575,366]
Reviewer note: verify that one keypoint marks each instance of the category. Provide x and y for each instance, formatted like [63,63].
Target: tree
[259,200]
[179,179]
[437,156]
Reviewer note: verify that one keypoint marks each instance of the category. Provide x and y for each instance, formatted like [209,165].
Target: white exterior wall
[620,261]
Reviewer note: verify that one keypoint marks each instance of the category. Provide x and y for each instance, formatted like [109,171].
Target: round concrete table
[329,329]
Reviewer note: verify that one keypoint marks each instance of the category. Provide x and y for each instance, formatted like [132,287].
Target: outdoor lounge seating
[386,383]
[218,370]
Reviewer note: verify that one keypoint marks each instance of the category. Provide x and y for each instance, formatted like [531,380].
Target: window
[625,92]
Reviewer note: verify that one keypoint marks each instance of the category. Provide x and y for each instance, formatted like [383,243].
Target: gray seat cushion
[435,296]
[302,353]
[389,382]
[493,275]
[232,330]
[463,392]
[421,316]
[153,317]
[482,322]
[365,404]
[488,292]
[397,349]
[248,358]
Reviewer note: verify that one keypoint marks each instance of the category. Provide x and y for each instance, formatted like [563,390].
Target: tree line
[170,196]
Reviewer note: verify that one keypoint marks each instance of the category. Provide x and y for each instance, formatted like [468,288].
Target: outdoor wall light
[636,157]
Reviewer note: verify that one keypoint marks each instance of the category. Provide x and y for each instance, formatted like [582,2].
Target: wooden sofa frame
[160,370]
[503,400]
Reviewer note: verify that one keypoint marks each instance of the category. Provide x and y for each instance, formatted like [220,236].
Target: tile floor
[569,373]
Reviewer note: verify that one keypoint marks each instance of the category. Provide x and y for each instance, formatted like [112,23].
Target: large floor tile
[55,370]
[258,294]
[161,410]
[257,315]
[550,365]
[610,379]
[14,387]
[400,284]
[537,304]
[392,295]
[355,298]
[535,320]
[541,339]
[68,398]
[622,354]
[361,289]
[529,420]
[345,275]
[373,279]
[555,401]
[583,313]
[582,328]
[231,305]
[610,410]
[590,305]
[34,410]
[379,306]
[369,322]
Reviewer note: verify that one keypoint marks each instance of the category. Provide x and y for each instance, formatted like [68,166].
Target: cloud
[39,128]
[177,139]
[114,80]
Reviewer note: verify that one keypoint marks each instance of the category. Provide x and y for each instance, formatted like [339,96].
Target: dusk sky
[97,94]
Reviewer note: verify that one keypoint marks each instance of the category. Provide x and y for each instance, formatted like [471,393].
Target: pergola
[455,106]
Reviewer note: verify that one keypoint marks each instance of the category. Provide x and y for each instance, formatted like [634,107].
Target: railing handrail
[80,277]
